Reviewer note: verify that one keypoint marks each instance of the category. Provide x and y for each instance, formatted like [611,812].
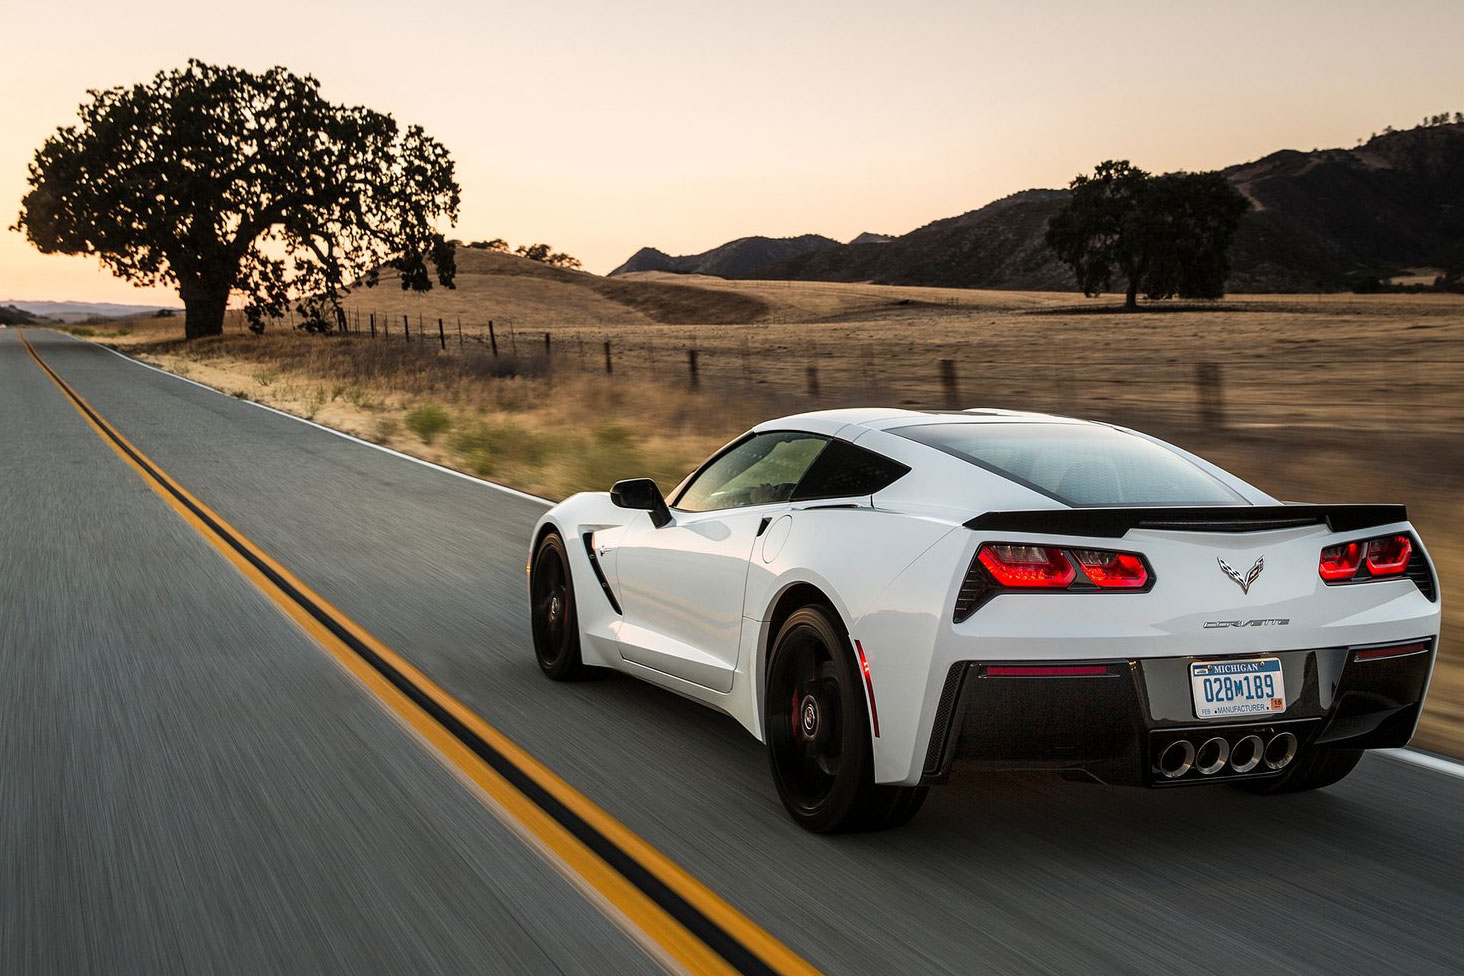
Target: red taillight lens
[1388,556]
[1340,562]
[1112,569]
[1030,567]
[1385,556]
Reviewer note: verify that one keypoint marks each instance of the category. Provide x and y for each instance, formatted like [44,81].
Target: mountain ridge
[1321,221]
[735,259]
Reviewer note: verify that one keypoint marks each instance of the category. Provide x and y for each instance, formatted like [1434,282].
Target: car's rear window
[1079,464]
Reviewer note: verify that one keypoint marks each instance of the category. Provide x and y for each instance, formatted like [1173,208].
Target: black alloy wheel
[817,730]
[552,610]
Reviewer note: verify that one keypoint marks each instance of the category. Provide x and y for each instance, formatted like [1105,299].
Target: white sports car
[882,595]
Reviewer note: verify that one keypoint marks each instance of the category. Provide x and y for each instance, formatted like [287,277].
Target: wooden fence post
[407,327]
[609,366]
[460,330]
[948,383]
[691,366]
[373,325]
[492,339]
[813,382]
[441,335]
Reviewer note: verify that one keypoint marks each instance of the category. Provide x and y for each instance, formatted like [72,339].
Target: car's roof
[885,418]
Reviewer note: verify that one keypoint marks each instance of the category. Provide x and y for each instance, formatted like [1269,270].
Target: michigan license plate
[1228,689]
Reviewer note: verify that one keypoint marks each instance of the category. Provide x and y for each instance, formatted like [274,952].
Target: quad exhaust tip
[1176,759]
[1215,754]
[1247,754]
[1211,756]
[1280,751]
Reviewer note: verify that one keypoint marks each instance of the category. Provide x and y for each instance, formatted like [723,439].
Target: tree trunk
[203,313]
[1132,299]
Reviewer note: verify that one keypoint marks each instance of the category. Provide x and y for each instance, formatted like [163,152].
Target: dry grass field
[1316,398]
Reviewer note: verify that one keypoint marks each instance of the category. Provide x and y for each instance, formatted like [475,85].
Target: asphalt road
[191,785]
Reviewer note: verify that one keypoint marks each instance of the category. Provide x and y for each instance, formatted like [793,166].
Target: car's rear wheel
[1312,770]
[552,611]
[817,730]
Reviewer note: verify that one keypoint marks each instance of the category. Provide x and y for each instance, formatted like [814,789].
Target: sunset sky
[601,127]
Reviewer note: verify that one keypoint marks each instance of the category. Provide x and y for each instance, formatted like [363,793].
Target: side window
[761,470]
[843,470]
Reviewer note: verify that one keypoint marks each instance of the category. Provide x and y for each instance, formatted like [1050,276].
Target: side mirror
[643,495]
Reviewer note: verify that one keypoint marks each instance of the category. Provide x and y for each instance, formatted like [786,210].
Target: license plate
[1227,689]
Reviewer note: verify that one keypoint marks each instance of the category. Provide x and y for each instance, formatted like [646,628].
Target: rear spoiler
[1114,523]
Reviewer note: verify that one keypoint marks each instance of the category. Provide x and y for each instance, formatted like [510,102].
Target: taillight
[1120,570]
[1028,567]
[1002,566]
[1340,562]
[1382,557]
[1388,556]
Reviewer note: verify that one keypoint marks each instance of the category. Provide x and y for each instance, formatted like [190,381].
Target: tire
[816,725]
[1315,770]
[553,617]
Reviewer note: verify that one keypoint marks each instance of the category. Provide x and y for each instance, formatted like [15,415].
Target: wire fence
[812,369]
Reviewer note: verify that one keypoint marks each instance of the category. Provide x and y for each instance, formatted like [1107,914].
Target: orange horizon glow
[604,128]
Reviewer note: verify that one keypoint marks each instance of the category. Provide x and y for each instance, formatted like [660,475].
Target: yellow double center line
[681,920]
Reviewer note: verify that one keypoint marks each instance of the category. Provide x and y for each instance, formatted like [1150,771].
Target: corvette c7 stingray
[885,596]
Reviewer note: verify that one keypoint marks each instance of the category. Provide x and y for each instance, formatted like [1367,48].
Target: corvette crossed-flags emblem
[1244,582]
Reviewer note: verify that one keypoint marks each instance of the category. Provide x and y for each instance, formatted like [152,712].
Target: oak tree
[220,181]
[1162,235]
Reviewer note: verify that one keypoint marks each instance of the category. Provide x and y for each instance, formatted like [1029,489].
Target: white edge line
[1427,760]
[329,430]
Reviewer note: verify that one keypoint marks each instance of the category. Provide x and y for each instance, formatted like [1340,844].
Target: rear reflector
[869,686]
[1029,567]
[1388,556]
[1047,671]
[1383,653]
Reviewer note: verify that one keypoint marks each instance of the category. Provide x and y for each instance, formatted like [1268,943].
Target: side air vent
[975,590]
[1422,575]
[944,714]
[589,540]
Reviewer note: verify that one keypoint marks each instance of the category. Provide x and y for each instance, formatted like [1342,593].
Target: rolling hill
[512,289]
[1320,219]
[83,311]
[735,259]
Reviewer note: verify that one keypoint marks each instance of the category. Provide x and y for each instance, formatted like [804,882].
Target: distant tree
[497,244]
[1189,220]
[1162,235]
[1459,118]
[547,255]
[221,181]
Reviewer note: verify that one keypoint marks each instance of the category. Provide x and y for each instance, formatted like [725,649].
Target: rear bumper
[1113,725]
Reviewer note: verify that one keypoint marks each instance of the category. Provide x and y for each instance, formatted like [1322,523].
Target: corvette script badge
[1244,582]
